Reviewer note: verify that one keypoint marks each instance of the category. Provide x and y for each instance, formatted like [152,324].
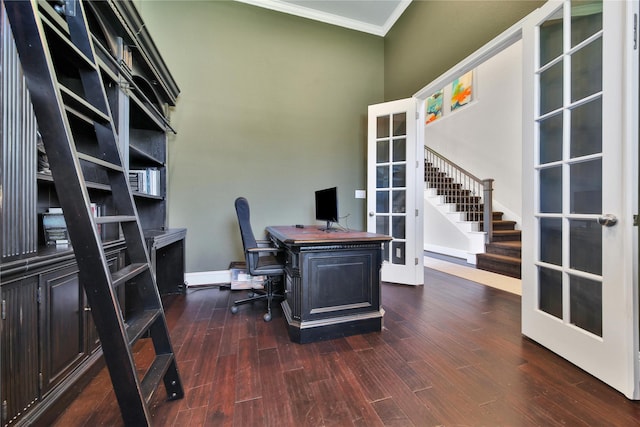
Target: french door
[580,166]
[395,170]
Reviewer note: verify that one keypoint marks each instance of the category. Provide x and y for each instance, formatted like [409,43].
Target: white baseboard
[201,278]
[469,257]
[458,253]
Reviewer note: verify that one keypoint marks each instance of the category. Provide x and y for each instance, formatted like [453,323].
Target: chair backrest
[248,239]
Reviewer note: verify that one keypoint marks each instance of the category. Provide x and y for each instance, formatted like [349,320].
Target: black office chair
[262,260]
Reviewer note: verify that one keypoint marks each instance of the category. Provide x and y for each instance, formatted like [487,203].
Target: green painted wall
[272,107]
[432,36]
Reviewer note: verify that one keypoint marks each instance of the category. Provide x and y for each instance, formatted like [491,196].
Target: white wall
[485,136]
[442,236]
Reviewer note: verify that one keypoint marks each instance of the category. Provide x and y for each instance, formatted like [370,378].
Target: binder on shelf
[98,211]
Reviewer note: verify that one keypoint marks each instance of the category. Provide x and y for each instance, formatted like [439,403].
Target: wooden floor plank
[391,414]
[402,394]
[275,402]
[451,353]
[248,413]
[361,411]
[301,399]
[222,392]
[333,407]
[247,376]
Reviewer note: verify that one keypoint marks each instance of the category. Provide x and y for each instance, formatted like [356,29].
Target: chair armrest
[265,249]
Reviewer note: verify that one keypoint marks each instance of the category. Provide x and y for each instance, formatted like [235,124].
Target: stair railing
[470,193]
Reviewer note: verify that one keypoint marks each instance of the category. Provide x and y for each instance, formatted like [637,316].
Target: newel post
[487,213]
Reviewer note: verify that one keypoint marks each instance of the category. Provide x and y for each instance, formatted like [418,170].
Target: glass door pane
[569,165]
[394,188]
[391,183]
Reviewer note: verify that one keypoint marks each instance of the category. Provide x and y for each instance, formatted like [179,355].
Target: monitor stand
[328,228]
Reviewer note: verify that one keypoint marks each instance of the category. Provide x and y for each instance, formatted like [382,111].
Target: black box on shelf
[55,229]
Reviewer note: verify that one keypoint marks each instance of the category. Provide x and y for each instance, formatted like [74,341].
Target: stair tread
[507,232]
[500,257]
[508,244]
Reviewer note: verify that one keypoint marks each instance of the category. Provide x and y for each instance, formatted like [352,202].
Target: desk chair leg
[268,294]
[269,286]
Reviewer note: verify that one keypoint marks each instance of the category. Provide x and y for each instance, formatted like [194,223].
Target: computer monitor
[327,206]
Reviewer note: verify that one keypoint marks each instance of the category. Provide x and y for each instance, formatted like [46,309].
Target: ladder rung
[114,219]
[79,115]
[100,162]
[138,324]
[47,11]
[155,374]
[76,102]
[62,42]
[127,273]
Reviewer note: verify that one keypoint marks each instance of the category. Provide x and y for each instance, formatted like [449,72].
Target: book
[146,181]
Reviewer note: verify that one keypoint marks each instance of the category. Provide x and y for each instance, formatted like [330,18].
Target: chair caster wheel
[234,309]
[267,317]
[251,295]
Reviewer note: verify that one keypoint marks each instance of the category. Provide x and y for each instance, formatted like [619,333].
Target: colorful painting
[461,90]
[434,106]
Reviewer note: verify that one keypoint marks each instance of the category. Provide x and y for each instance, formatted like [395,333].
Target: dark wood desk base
[310,331]
[332,282]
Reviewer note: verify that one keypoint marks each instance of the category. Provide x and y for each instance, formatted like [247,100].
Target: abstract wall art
[434,106]
[461,90]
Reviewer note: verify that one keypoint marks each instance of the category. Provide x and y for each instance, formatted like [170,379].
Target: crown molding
[329,18]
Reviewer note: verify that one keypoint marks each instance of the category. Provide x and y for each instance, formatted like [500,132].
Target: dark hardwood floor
[451,353]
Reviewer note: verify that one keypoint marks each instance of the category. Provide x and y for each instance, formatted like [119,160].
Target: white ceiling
[369,16]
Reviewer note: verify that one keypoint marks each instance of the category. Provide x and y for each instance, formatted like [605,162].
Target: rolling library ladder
[63,77]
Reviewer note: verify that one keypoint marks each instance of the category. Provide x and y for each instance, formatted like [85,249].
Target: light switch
[361,194]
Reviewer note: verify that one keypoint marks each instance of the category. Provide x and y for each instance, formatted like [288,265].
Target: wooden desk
[332,281]
[167,256]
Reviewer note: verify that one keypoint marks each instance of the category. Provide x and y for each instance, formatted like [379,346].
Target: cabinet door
[19,348]
[61,324]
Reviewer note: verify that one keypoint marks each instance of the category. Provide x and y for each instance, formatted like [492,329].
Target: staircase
[467,193]
[62,74]
[503,254]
